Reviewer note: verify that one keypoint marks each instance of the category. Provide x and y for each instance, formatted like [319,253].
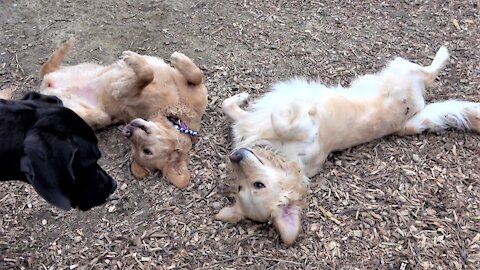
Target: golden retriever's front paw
[131,58]
[178,57]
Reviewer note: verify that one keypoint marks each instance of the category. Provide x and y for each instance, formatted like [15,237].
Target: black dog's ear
[44,98]
[47,164]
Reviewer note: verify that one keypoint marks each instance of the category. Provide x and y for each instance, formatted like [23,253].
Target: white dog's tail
[53,62]
[462,115]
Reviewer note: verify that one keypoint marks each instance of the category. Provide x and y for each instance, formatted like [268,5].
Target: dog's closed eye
[147,152]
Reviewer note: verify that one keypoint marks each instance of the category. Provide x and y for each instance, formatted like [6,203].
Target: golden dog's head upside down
[269,188]
[286,135]
[156,145]
[136,86]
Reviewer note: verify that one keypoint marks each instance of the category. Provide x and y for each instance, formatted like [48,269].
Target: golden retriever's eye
[239,188]
[147,152]
[258,185]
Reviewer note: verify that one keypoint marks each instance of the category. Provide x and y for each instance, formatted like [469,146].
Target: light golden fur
[286,135]
[136,86]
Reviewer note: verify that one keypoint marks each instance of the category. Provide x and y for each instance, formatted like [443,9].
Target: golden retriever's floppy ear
[177,172]
[47,164]
[287,221]
[138,170]
[231,214]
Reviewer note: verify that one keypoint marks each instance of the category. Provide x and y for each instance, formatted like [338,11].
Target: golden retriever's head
[268,188]
[158,145]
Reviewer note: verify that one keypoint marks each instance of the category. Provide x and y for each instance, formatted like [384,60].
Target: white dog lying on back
[286,135]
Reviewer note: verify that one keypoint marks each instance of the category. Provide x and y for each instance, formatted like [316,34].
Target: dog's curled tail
[53,62]
[438,63]
[461,115]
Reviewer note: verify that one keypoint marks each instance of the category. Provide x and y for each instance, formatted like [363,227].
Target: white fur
[301,122]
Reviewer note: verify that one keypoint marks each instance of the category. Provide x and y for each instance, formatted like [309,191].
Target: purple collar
[182,126]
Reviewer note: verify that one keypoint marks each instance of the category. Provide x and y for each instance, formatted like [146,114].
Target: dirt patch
[395,203]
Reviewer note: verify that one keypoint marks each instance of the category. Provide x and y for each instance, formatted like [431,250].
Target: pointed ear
[47,164]
[231,214]
[287,221]
[177,172]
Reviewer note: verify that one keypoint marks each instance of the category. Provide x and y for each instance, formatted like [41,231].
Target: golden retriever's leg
[442,115]
[231,106]
[133,85]
[53,62]
[187,68]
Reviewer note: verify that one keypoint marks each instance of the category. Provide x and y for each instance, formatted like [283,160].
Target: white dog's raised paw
[241,98]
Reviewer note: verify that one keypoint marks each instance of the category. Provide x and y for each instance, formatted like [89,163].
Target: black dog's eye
[147,152]
[258,185]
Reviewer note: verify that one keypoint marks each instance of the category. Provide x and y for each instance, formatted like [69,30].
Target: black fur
[53,149]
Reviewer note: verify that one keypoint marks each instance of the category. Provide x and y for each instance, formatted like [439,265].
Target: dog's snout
[127,131]
[236,156]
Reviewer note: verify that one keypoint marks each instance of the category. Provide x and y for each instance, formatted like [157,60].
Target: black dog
[53,149]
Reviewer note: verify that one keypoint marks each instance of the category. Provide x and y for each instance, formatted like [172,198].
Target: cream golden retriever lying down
[286,135]
[134,88]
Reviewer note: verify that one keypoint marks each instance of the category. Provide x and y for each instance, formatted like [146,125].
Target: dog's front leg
[231,106]
[187,68]
[133,85]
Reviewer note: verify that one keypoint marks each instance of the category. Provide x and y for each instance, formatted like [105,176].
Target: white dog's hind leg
[442,115]
[438,63]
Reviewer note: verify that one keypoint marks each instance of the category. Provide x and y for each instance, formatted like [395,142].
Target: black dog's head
[60,155]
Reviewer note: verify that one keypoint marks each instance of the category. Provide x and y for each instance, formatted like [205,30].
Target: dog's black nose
[114,187]
[127,131]
[236,156]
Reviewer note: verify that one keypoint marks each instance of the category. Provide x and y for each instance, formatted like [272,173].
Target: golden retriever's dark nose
[127,131]
[237,155]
